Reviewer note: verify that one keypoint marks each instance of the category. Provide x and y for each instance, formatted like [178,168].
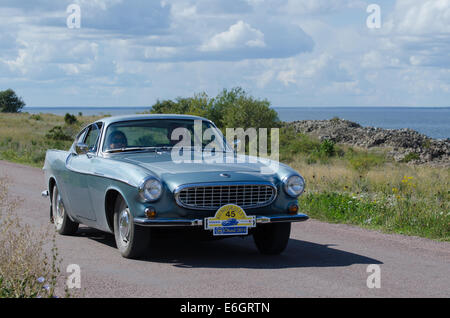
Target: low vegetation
[26,269]
[25,138]
[396,198]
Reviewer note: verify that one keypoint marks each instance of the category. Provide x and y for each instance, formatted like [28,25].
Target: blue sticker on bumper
[231,230]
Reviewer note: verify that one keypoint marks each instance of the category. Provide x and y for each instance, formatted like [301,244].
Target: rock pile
[405,145]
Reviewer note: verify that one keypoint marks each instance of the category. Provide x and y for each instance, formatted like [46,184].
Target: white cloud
[421,17]
[319,6]
[308,52]
[287,77]
[419,32]
[239,35]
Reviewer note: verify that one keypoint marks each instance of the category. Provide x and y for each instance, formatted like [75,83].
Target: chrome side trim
[177,191]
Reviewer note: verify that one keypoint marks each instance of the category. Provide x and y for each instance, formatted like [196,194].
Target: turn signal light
[293,209]
[150,212]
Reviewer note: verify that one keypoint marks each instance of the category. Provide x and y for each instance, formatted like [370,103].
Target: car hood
[174,174]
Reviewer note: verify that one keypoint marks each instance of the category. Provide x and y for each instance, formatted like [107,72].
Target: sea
[431,121]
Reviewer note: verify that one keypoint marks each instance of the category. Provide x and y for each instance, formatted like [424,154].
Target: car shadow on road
[237,253]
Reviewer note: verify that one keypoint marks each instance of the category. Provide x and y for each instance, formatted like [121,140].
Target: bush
[70,119]
[293,143]
[36,117]
[231,108]
[57,133]
[410,156]
[364,161]
[327,148]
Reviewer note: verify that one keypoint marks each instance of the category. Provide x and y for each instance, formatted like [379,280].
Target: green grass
[25,138]
[390,214]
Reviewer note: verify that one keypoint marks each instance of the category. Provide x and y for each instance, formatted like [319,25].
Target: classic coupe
[136,175]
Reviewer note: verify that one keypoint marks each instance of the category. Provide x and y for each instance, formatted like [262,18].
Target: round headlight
[294,185]
[150,190]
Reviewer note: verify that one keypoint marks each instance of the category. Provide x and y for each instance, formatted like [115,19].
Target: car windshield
[163,134]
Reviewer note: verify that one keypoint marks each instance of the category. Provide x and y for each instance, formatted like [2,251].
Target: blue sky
[292,52]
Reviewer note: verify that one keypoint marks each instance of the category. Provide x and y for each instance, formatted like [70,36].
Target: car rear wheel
[131,240]
[272,239]
[63,224]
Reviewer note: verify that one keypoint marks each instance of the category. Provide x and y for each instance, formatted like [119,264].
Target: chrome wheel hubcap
[124,225]
[59,213]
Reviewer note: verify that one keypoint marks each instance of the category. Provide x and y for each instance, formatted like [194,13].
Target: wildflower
[46,287]
[41,280]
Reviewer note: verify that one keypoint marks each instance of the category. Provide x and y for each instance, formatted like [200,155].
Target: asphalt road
[322,260]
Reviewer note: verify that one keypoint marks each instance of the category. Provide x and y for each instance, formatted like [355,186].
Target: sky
[291,52]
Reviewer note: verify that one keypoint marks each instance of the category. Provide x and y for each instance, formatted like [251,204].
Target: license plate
[230,219]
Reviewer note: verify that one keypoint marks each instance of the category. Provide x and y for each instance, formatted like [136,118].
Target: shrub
[364,161]
[231,108]
[36,117]
[70,119]
[327,148]
[410,156]
[57,133]
[293,143]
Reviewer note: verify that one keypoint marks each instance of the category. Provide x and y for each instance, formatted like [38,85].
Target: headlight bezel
[143,187]
[286,185]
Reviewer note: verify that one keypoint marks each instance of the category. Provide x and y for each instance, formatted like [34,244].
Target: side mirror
[81,149]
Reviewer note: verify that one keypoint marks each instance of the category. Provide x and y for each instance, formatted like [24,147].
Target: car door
[80,167]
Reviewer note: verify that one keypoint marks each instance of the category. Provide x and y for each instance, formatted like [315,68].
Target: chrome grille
[213,196]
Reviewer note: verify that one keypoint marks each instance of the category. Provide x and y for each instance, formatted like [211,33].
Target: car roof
[115,119]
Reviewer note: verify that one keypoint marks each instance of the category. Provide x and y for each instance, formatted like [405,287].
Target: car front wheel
[272,239]
[131,240]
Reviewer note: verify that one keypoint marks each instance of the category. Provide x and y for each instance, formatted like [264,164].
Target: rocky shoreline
[403,145]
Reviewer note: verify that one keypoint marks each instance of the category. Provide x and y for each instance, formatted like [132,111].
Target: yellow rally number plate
[230,220]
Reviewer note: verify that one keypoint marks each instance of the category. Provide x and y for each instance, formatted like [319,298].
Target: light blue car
[129,175]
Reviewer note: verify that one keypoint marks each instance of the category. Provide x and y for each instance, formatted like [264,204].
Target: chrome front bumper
[199,222]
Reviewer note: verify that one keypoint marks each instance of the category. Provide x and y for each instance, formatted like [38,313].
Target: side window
[92,137]
[81,137]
